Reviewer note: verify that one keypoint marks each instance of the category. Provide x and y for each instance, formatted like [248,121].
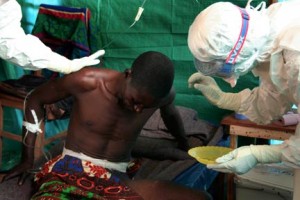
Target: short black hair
[154,72]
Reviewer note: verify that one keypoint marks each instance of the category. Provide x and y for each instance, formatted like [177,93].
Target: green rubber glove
[209,88]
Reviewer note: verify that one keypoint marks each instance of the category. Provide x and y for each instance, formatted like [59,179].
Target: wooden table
[246,128]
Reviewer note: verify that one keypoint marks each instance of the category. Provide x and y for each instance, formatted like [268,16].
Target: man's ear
[128,72]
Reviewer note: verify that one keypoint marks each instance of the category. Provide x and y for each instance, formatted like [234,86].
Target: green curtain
[162,27]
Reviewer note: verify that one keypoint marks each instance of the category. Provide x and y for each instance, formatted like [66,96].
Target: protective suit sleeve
[291,151]
[27,50]
[3,1]
[209,88]
[264,104]
[279,86]
[243,159]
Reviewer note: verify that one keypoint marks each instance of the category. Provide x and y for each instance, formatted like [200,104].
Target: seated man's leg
[163,190]
[68,177]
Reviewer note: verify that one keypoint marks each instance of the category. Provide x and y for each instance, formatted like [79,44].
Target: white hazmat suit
[271,49]
[27,50]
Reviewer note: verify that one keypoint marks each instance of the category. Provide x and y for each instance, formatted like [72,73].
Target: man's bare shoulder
[93,72]
[88,78]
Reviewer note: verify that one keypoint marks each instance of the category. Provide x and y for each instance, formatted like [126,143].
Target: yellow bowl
[208,154]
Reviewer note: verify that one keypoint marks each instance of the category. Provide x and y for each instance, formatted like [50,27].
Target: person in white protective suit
[228,41]
[28,51]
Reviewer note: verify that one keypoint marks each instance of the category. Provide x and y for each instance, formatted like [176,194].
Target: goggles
[213,68]
[221,68]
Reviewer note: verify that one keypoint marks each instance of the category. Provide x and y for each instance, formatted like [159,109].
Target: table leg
[230,187]
[1,131]
[230,177]
[233,141]
[296,193]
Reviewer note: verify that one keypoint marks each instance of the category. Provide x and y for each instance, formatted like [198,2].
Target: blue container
[240,116]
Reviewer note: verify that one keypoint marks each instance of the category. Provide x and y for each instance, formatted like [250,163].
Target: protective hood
[216,30]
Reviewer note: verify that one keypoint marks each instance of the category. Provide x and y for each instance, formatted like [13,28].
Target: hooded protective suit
[27,50]
[272,51]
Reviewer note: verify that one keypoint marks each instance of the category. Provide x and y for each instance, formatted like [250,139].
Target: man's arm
[174,123]
[47,93]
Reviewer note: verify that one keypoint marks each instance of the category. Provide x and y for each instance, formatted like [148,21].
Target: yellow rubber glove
[209,88]
[243,159]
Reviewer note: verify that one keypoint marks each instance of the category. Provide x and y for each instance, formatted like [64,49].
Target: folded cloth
[193,126]
[290,119]
[69,177]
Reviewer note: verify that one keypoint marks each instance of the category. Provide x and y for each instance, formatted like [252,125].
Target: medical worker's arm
[261,104]
[243,159]
[209,88]
[279,86]
[28,51]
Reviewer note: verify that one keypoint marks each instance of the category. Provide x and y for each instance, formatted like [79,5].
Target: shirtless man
[110,109]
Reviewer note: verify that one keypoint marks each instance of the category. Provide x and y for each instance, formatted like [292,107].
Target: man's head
[224,33]
[151,79]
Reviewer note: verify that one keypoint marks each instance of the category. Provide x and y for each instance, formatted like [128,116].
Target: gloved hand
[208,86]
[243,159]
[77,64]
[61,64]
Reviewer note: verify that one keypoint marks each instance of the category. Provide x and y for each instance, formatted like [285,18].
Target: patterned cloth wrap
[68,177]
